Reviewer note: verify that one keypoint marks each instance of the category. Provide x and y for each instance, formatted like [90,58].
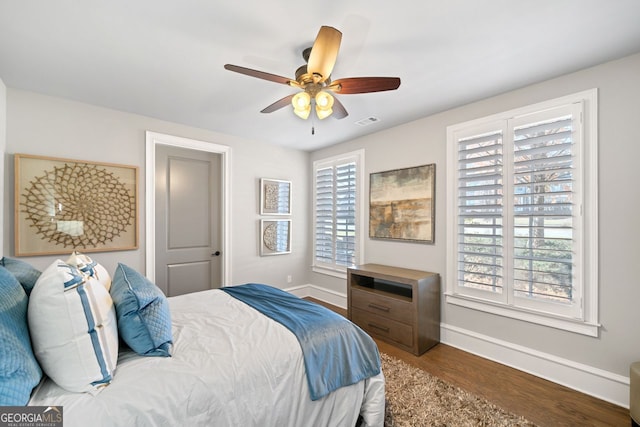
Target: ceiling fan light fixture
[324,99]
[324,104]
[323,114]
[314,80]
[301,105]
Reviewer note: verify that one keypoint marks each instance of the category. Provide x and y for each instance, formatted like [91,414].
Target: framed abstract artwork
[402,204]
[62,205]
[275,236]
[275,197]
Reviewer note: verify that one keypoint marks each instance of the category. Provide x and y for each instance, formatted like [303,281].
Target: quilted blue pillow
[144,320]
[24,272]
[19,369]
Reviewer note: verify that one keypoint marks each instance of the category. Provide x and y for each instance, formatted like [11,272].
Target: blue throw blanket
[336,352]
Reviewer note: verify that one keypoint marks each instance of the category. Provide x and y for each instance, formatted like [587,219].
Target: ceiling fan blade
[278,104]
[352,85]
[324,52]
[339,112]
[258,74]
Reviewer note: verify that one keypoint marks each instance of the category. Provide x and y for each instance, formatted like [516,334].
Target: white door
[187,220]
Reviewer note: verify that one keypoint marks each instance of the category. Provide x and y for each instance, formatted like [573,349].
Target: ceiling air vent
[367,121]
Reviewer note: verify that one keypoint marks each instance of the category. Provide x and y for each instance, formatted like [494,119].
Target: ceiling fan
[314,78]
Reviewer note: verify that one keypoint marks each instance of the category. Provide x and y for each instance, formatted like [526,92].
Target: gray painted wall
[423,141]
[42,125]
[3,144]
[48,126]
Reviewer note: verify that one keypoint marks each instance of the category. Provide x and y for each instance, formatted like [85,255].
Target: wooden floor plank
[540,401]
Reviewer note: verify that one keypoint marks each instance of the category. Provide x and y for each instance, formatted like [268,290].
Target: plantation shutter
[324,216]
[545,206]
[518,210]
[522,213]
[335,214]
[480,210]
[345,238]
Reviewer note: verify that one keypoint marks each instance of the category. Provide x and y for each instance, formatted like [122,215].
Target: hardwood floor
[540,401]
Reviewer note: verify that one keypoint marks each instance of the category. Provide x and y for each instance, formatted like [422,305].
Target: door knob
[216,253]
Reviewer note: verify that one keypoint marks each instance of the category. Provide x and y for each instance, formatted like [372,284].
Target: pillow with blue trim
[19,369]
[144,319]
[90,267]
[26,274]
[73,328]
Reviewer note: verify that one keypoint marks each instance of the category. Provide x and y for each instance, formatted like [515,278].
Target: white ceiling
[164,58]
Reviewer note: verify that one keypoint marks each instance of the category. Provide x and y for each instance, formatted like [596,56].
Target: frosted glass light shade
[301,105]
[324,102]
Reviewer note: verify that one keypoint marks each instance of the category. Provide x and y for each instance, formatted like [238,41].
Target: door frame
[154,139]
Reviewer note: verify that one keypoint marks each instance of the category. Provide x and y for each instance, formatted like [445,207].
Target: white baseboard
[331,297]
[596,382]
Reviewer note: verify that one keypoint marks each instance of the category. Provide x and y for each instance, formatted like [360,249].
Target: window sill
[570,325]
[340,274]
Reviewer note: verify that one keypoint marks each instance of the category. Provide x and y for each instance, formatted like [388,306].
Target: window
[337,240]
[522,204]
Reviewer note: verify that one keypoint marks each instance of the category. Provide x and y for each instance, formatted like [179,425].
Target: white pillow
[73,328]
[88,266]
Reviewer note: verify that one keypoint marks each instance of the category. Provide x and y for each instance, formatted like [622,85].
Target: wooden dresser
[397,305]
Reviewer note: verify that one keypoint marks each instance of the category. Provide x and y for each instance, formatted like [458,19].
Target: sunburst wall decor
[63,205]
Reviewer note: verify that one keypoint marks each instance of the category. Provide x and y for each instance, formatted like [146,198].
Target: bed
[230,365]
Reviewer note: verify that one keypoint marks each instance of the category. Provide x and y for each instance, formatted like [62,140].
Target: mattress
[230,366]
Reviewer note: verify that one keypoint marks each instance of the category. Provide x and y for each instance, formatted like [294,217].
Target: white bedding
[231,366]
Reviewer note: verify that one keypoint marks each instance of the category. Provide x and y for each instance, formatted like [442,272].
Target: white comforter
[231,366]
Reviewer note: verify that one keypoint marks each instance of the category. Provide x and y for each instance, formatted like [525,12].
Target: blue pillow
[25,273]
[144,320]
[19,369]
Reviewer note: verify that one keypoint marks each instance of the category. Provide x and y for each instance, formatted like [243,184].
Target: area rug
[416,398]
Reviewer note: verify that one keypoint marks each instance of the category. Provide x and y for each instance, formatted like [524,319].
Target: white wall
[3,144]
[42,125]
[48,126]
[423,141]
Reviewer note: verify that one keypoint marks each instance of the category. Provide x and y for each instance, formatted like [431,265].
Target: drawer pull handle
[382,328]
[379,307]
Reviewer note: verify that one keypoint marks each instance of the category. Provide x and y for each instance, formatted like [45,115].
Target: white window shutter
[546,219]
[480,222]
[522,238]
[324,207]
[345,214]
[336,209]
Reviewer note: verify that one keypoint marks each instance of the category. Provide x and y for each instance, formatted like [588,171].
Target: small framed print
[275,236]
[275,197]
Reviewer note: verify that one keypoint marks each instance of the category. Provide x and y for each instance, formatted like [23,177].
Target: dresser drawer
[383,327]
[389,307]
